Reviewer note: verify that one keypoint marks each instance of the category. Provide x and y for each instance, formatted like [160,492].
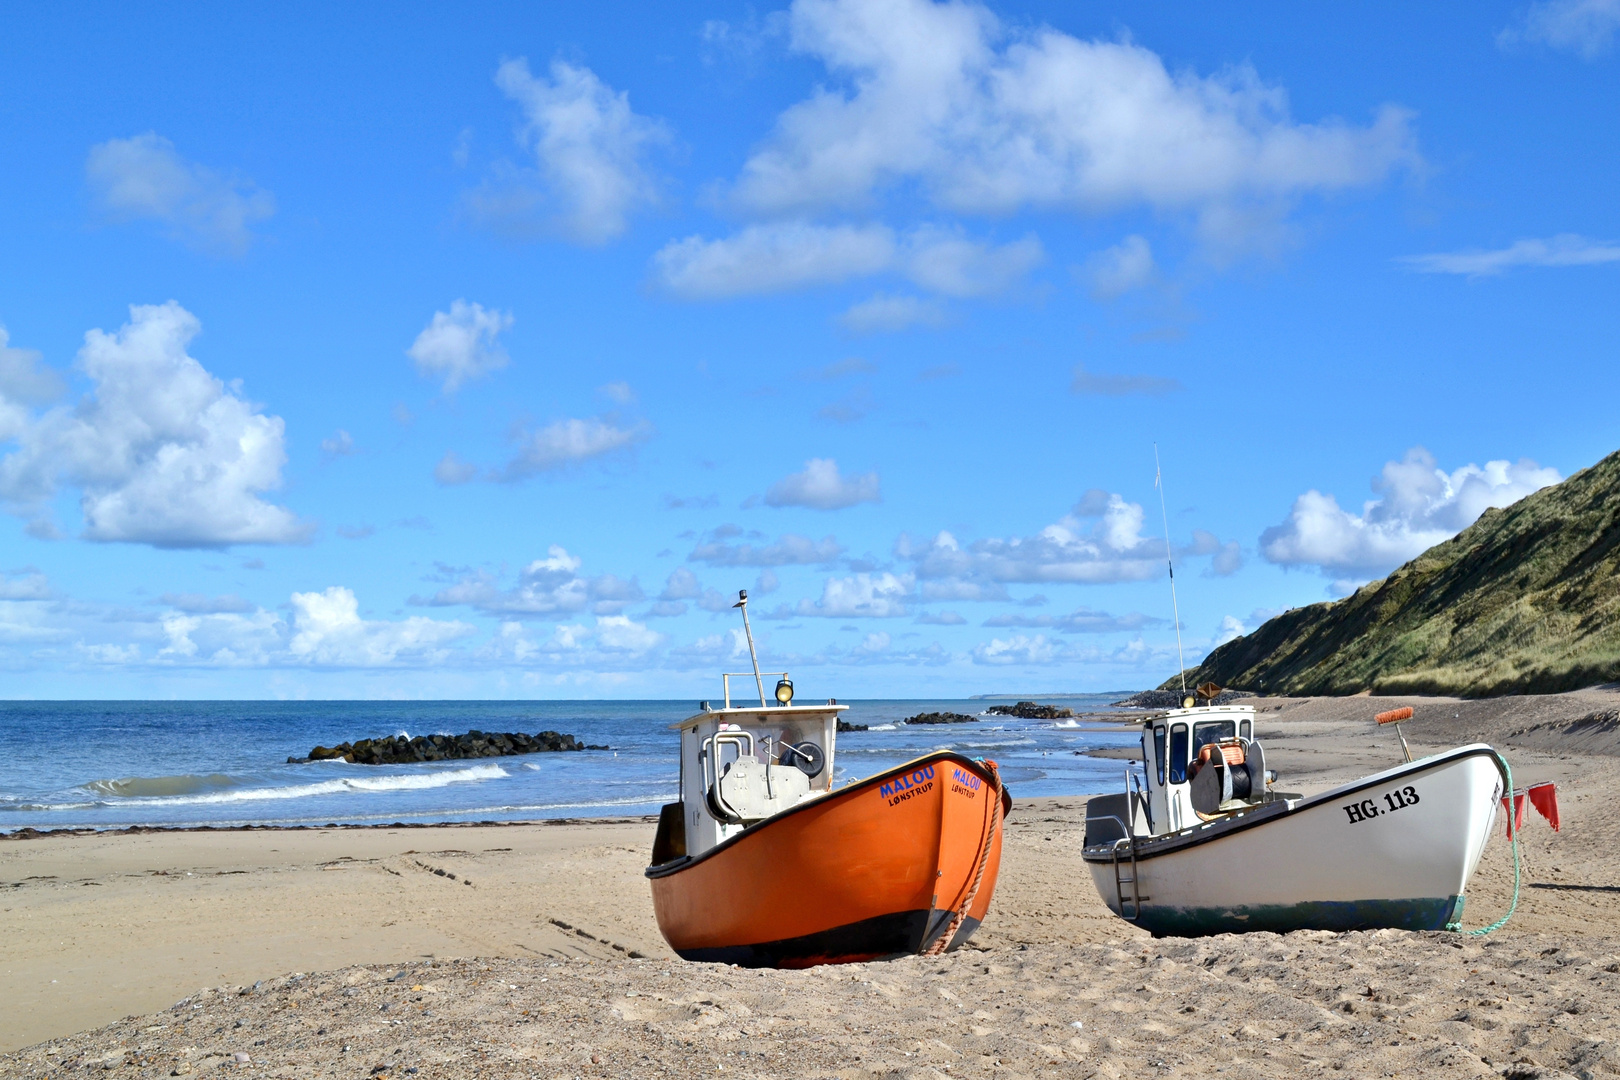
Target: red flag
[1544,797]
[1515,816]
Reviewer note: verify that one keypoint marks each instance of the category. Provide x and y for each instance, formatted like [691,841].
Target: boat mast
[1175,610]
[742,602]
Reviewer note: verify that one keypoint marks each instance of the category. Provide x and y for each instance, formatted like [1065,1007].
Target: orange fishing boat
[763,864]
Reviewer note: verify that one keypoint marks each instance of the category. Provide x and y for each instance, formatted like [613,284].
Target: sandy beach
[531,950]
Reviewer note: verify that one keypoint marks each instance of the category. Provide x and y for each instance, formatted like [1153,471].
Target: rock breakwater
[399,750]
[942,718]
[1030,710]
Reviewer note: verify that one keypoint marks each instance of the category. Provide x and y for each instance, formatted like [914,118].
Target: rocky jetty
[845,725]
[942,718]
[398,750]
[1029,710]
[1171,699]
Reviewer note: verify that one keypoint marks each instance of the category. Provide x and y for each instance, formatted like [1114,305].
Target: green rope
[1513,833]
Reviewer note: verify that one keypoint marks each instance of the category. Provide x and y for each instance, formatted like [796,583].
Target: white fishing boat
[1200,843]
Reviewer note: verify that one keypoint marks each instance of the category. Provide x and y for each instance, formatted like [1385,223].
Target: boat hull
[1392,850]
[879,868]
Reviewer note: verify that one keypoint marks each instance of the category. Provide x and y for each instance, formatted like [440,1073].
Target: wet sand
[540,953]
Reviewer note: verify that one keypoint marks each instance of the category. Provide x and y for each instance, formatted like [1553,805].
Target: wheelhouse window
[1246,730]
[1178,753]
[1211,731]
[1158,751]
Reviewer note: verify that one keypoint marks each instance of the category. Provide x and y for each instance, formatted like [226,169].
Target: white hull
[1367,854]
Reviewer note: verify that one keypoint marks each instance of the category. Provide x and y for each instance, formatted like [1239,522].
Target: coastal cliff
[1525,600]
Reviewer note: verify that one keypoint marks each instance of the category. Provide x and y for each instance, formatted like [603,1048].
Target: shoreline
[104,924]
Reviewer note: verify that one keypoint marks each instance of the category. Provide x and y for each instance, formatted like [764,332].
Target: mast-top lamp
[784,691]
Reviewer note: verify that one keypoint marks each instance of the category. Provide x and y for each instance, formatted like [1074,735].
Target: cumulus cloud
[1120,269]
[882,313]
[162,452]
[589,149]
[1038,650]
[461,344]
[990,121]
[1082,621]
[881,596]
[570,442]
[821,487]
[549,586]
[1097,384]
[1565,249]
[785,255]
[1091,544]
[790,549]
[1419,505]
[24,380]
[339,444]
[773,258]
[942,618]
[26,584]
[1586,27]
[203,604]
[144,178]
[452,470]
[328,630]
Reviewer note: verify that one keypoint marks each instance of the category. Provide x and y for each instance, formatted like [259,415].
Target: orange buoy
[1395,715]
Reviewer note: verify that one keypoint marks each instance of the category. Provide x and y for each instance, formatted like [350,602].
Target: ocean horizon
[116,764]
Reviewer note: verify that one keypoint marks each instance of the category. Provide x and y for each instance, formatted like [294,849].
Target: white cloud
[946,262]
[24,380]
[821,487]
[588,145]
[162,452]
[548,586]
[788,550]
[143,177]
[785,255]
[1565,249]
[1231,629]
[1094,383]
[24,585]
[880,596]
[943,618]
[1419,506]
[328,630]
[884,313]
[461,344]
[1082,621]
[1586,27]
[988,120]
[617,633]
[1018,649]
[773,258]
[569,442]
[202,604]
[1120,269]
[339,444]
[452,470]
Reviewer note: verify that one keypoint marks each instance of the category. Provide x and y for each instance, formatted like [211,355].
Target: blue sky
[487,353]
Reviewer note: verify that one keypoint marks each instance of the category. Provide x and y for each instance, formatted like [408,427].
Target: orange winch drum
[1395,715]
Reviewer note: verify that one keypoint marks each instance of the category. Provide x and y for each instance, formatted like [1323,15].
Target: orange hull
[887,866]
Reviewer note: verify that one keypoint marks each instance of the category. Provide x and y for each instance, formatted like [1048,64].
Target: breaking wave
[143,791]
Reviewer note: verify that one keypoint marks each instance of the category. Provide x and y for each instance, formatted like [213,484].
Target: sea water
[106,764]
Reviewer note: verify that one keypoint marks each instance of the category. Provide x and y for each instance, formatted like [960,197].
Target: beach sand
[540,956]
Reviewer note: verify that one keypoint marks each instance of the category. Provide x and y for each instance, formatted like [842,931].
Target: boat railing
[726,677]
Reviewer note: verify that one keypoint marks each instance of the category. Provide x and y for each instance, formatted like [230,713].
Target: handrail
[726,677]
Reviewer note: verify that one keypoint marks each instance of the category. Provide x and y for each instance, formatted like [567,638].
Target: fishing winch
[1231,771]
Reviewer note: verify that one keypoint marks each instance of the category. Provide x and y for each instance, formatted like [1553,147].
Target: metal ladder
[1120,881]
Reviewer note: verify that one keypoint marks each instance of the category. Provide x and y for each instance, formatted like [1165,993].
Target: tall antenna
[742,602]
[1158,482]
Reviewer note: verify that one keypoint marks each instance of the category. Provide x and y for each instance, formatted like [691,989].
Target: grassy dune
[1526,600]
